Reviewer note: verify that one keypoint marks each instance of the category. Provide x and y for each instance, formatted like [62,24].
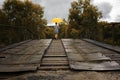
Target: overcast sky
[60,8]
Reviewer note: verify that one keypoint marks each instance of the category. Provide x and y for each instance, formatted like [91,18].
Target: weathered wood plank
[21,59]
[17,68]
[86,56]
[110,47]
[26,57]
[96,66]
[14,45]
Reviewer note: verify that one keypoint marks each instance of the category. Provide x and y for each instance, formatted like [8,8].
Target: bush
[74,33]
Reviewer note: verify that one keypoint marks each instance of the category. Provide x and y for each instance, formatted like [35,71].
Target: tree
[101,30]
[63,30]
[83,16]
[25,14]
[3,18]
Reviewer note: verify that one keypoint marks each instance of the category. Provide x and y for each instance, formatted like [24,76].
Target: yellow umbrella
[58,20]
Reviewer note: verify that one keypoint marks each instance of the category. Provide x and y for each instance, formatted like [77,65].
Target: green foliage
[108,32]
[21,17]
[64,30]
[3,18]
[84,23]
[49,32]
[83,16]
[74,33]
[24,14]
[100,30]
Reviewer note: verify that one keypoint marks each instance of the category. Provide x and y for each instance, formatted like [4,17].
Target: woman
[56,30]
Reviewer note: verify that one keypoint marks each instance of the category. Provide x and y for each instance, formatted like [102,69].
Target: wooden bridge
[34,56]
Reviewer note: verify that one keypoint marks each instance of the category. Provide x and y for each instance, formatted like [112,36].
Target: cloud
[60,8]
[1,3]
[91,1]
[117,18]
[55,8]
[36,1]
[105,8]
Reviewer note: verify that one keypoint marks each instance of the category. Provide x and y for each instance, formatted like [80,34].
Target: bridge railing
[110,33]
[13,34]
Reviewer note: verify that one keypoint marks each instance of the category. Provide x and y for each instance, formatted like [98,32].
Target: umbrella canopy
[56,20]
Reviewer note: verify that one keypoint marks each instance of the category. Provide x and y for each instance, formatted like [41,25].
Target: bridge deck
[86,56]
[70,54]
[24,57]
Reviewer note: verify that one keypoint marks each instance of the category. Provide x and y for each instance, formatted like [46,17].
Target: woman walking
[56,30]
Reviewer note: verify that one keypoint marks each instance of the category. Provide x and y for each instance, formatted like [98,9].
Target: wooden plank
[53,50]
[95,56]
[26,57]
[96,66]
[17,68]
[75,57]
[22,59]
[14,45]
[71,50]
[85,56]
[54,68]
[107,46]
[28,48]
[55,58]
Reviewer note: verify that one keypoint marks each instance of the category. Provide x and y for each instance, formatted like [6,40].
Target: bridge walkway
[55,55]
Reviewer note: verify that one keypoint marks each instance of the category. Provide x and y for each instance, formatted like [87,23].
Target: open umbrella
[58,20]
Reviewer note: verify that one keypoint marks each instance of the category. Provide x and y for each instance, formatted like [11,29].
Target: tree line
[22,20]
[83,22]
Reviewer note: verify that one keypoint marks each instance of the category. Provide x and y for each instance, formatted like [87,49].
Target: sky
[60,8]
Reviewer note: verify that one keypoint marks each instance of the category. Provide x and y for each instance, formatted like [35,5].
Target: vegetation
[108,32]
[23,20]
[84,23]
[83,17]
[63,33]
[18,17]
